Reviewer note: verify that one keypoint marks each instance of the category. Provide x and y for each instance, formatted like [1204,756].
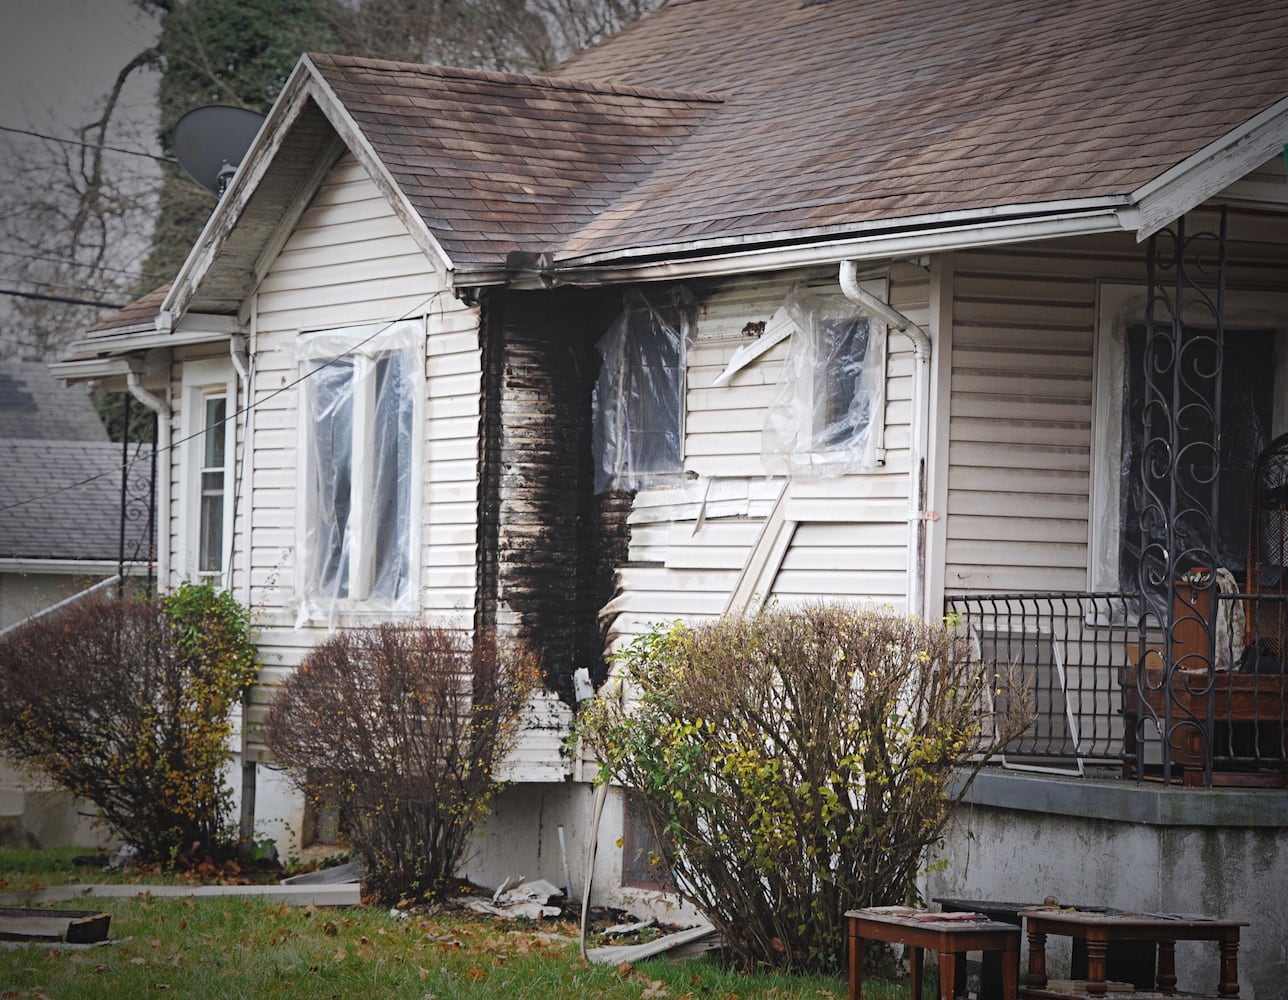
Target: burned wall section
[547,546]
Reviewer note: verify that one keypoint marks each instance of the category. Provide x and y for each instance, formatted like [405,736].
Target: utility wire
[418,309]
[89,145]
[69,299]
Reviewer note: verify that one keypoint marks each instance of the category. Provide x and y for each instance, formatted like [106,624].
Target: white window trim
[202,379]
[366,344]
[1118,307]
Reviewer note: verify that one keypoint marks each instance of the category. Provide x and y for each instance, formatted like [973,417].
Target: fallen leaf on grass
[655,989]
[475,974]
[624,969]
[340,955]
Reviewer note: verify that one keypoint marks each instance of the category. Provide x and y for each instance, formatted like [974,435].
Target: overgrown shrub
[401,727]
[796,764]
[126,703]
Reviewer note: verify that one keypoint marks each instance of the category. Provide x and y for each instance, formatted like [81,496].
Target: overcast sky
[59,57]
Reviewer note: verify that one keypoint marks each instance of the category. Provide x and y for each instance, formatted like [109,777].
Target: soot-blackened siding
[547,546]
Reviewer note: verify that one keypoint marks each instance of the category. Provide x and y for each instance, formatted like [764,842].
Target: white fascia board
[204,330]
[883,246]
[91,369]
[932,222]
[1214,167]
[338,115]
[66,567]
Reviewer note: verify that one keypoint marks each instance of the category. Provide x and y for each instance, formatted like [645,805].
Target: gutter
[919,443]
[164,431]
[908,241]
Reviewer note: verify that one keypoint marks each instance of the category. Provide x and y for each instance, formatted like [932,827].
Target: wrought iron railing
[1104,691]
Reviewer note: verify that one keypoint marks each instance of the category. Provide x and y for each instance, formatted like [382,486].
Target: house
[769,301]
[55,543]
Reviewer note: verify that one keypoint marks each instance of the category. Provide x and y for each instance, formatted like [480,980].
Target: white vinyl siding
[848,534]
[350,262]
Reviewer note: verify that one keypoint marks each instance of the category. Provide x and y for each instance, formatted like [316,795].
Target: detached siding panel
[350,261]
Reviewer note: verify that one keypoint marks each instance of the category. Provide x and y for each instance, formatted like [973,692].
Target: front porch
[1199,698]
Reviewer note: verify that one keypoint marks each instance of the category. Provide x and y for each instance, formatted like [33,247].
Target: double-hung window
[361,395]
[208,389]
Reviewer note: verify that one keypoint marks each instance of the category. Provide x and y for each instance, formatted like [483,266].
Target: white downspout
[918,444]
[162,409]
[245,495]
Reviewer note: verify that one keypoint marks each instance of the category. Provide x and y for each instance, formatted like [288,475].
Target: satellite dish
[210,142]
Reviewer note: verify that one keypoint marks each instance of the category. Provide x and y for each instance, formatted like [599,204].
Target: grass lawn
[253,948]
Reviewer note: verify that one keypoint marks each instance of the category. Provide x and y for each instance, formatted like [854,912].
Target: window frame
[796,413]
[365,346]
[1119,307]
[201,381]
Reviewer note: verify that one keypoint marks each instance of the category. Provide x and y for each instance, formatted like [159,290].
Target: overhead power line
[69,299]
[422,306]
[89,145]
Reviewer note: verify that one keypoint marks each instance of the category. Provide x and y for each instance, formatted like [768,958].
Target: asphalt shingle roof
[837,114]
[81,522]
[498,162]
[51,438]
[35,405]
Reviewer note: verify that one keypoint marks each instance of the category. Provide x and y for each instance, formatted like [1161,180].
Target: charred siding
[547,546]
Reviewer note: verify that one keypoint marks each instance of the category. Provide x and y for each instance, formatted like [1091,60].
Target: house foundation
[1146,848]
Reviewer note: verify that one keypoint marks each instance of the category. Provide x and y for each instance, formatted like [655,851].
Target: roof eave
[1213,168]
[904,238]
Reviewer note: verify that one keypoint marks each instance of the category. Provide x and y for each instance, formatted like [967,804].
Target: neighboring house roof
[36,406]
[51,443]
[70,517]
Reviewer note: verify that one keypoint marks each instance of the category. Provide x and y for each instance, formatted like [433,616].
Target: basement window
[828,416]
[361,396]
[638,399]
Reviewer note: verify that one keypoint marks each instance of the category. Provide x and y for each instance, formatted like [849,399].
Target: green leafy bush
[126,703]
[796,764]
[401,727]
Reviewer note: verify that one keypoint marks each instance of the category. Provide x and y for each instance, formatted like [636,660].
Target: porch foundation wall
[1221,852]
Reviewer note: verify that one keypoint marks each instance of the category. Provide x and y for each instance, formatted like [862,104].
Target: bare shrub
[402,728]
[797,764]
[126,703]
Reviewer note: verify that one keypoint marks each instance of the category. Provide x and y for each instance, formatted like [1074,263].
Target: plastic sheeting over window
[828,416]
[639,397]
[358,449]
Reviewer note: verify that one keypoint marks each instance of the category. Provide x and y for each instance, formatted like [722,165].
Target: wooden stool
[948,934]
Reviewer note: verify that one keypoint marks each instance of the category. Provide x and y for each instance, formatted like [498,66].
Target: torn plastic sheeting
[357,447]
[638,399]
[527,910]
[827,417]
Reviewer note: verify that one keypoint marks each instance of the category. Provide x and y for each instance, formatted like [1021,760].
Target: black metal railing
[1103,689]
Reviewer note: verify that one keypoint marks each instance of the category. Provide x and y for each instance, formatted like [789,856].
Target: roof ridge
[323,59]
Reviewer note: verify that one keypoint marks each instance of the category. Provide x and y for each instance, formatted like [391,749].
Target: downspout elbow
[149,399]
[857,294]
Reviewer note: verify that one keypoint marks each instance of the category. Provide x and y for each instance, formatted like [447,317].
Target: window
[1254,409]
[360,448]
[205,503]
[828,416]
[210,519]
[639,396]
